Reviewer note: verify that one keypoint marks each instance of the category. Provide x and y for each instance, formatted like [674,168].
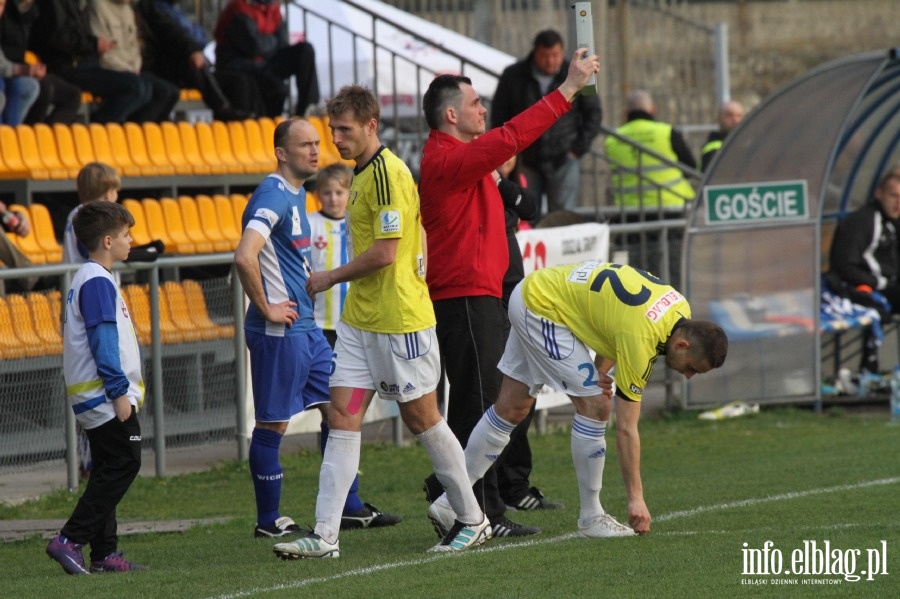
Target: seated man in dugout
[864,259]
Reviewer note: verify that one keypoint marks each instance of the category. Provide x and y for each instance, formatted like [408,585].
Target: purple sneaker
[67,554]
[114,562]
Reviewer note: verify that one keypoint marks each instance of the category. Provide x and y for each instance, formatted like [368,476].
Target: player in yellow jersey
[629,318]
[386,339]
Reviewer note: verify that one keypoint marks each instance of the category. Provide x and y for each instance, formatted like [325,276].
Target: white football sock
[449,465]
[340,463]
[589,457]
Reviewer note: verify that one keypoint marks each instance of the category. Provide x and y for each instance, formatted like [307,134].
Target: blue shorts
[290,374]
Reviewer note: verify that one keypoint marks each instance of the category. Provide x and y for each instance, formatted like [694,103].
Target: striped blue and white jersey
[329,251]
[277,211]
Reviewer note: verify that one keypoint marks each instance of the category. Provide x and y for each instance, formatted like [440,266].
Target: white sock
[340,463]
[589,457]
[486,442]
[449,465]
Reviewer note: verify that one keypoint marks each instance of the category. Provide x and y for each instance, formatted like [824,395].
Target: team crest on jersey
[266,215]
[659,308]
[390,221]
[321,242]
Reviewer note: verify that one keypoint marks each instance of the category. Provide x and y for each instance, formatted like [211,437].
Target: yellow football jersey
[384,204]
[620,312]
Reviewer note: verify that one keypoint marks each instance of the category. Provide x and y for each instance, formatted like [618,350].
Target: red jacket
[462,210]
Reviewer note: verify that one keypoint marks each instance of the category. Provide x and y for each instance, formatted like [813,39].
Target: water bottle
[895,394]
[10,220]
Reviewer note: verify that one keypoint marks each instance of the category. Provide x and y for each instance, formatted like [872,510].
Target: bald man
[731,113]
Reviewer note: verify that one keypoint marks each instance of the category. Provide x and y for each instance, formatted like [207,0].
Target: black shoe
[533,500]
[504,527]
[368,516]
[283,527]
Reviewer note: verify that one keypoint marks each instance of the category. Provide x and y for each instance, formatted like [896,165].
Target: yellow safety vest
[658,183]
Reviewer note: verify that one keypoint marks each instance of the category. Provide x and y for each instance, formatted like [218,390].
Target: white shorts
[541,352]
[399,367]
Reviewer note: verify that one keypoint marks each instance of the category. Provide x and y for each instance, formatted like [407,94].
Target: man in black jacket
[551,165]
[864,259]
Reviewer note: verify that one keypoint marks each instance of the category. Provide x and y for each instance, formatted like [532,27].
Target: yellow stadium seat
[190,216]
[176,239]
[178,229]
[241,147]
[65,144]
[239,202]
[159,155]
[206,210]
[139,308]
[262,152]
[42,223]
[138,300]
[313,203]
[11,165]
[103,150]
[222,141]
[177,153]
[46,322]
[23,322]
[84,146]
[33,158]
[140,233]
[203,160]
[13,158]
[49,153]
[28,244]
[118,143]
[197,301]
[180,312]
[137,147]
[225,213]
[10,345]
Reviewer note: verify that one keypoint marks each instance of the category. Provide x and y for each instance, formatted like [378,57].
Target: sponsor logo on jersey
[409,387]
[390,221]
[636,390]
[389,387]
[659,308]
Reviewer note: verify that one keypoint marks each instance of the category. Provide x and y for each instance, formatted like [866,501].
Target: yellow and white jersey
[384,204]
[620,312]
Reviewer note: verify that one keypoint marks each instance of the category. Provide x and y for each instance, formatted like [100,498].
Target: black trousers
[470,335]
[116,451]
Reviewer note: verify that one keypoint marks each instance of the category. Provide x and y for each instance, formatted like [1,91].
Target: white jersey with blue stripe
[329,251]
[277,211]
[94,299]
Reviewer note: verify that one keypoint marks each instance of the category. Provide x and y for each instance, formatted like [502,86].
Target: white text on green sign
[781,200]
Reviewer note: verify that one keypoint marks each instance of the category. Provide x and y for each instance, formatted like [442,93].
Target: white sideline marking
[297,584]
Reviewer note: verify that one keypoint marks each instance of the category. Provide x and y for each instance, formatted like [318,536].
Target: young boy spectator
[328,232]
[102,368]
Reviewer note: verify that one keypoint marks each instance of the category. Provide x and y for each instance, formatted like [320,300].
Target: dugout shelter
[758,237]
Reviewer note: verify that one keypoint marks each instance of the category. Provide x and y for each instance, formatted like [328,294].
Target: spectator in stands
[552,164]
[13,223]
[58,101]
[62,38]
[864,258]
[252,38]
[731,113]
[18,88]
[116,20]
[173,49]
[640,179]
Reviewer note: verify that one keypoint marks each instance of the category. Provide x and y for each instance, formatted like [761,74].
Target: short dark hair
[441,93]
[95,220]
[548,38]
[892,175]
[357,99]
[282,131]
[707,340]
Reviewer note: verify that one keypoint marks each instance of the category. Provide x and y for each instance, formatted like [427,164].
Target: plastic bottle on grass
[895,394]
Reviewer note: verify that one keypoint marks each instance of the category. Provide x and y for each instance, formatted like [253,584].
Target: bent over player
[629,318]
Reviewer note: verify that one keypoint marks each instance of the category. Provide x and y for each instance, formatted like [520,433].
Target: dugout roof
[759,233]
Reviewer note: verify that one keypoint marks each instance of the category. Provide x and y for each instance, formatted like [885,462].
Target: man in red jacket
[463,216]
